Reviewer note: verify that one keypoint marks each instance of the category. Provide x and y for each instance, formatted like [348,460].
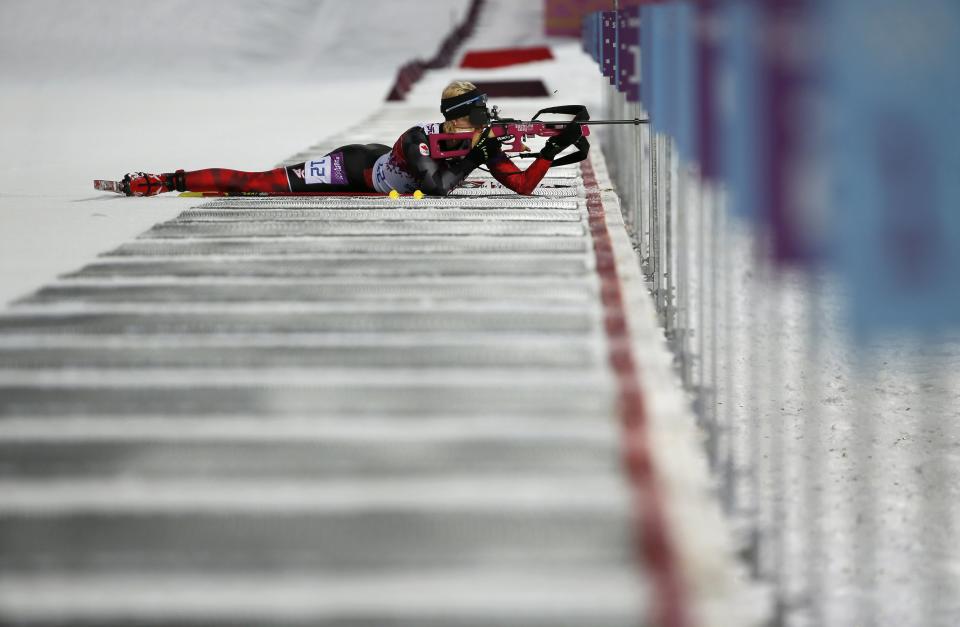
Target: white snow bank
[99,88]
[191,42]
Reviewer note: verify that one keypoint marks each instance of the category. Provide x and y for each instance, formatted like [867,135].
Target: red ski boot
[144,184]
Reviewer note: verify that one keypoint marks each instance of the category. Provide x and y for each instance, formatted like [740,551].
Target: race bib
[318,170]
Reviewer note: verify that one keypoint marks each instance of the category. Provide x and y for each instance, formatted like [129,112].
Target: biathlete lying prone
[377,168]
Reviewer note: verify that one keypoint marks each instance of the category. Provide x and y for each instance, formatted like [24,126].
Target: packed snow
[99,88]
[96,89]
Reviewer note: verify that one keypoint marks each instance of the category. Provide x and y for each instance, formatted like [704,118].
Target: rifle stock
[512,133]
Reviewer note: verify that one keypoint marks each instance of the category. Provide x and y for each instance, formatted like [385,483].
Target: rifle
[512,133]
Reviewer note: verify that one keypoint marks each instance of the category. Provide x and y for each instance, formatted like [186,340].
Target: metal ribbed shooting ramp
[321,411]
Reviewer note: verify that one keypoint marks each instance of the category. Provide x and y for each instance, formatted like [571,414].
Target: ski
[272,194]
[109,186]
[499,187]
[117,187]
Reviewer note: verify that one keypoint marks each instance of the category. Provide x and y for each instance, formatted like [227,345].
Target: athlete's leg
[360,159]
[346,169]
[224,180]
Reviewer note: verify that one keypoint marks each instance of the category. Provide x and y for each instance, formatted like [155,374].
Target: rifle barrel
[634,121]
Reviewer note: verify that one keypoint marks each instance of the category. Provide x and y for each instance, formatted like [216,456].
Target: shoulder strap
[583,148]
[580,114]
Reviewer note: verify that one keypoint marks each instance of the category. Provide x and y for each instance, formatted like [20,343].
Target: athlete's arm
[520,181]
[434,176]
[524,182]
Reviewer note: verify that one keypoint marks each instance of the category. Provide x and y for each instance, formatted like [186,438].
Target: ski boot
[146,184]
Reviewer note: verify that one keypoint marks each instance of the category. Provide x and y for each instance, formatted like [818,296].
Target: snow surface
[89,91]
[225,41]
[98,88]
[855,450]
[79,104]
[843,457]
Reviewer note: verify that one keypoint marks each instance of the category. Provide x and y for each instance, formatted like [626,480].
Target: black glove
[570,134]
[483,149]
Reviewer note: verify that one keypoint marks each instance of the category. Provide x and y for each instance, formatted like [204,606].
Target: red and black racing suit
[351,169]
[439,176]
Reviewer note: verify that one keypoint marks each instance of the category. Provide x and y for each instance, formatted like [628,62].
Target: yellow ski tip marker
[394,194]
[417,194]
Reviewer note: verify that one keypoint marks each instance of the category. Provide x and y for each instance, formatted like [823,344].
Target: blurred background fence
[795,206]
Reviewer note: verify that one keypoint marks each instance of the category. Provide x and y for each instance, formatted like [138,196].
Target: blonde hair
[455,88]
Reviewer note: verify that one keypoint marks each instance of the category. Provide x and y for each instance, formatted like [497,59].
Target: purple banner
[608,44]
[708,40]
[787,94]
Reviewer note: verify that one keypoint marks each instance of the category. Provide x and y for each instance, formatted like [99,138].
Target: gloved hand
[571,133]
[483,149]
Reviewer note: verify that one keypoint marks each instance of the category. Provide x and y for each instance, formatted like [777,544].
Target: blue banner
[893,93]
[683,17]
[739,111]
[646,59]
[668,77]
[591,36]
[658,66]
